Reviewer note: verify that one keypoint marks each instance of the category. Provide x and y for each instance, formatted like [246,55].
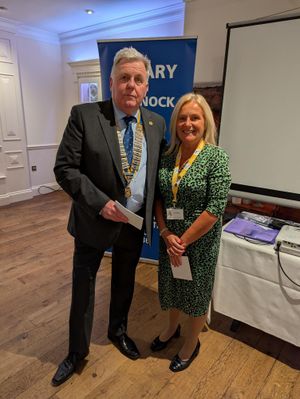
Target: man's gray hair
[130,54]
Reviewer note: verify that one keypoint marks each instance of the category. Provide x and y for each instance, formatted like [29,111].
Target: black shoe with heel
[178,365]
[158,345]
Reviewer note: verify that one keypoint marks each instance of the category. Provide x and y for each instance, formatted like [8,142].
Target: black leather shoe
[158,345]
[178,365]
[66,368]
[125,345]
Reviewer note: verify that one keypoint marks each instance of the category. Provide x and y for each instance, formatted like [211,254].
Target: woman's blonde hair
[210,126]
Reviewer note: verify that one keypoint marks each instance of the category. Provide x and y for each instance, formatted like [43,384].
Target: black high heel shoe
[158,345]
[178,365]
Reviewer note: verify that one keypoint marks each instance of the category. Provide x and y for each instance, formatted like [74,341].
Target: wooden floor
[35,286]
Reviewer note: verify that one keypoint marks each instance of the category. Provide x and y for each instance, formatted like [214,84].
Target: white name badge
[175,214]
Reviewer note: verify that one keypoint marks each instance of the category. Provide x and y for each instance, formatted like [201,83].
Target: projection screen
[260,119]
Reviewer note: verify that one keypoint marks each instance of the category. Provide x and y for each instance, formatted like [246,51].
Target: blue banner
[171,76]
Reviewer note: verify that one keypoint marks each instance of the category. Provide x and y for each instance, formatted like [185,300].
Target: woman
[194,181]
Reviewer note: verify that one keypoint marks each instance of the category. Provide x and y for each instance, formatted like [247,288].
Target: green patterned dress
[204,187]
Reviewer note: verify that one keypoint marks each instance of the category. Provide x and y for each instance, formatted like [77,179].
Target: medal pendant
[127,192]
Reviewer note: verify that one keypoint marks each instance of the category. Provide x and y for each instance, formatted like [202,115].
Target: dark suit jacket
[88,167]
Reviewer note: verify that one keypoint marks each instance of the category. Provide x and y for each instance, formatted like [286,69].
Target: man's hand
[111,212]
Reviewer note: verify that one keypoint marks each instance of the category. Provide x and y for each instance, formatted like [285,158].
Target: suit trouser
[86,261]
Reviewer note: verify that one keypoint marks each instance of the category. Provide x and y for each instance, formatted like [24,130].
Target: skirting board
[16,196]
[23,195]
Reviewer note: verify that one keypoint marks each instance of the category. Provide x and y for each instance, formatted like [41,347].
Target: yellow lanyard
[178,176]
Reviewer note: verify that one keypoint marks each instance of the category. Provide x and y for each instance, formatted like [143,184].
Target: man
[104,158]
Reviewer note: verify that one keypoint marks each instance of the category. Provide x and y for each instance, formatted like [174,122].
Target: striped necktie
[128,137]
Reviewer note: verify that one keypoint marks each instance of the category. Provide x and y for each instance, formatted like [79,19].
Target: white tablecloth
[251,288]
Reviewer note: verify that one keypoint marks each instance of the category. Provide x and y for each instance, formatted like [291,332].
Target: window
[88,92]
[87,81]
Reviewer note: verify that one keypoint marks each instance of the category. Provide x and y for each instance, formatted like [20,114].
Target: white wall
[41,81]
[207,19]
[41,78]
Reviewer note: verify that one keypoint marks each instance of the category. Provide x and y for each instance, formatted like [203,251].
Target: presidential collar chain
[130,170]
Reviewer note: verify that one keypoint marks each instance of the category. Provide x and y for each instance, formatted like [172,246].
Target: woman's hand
[176,260]
[175,246]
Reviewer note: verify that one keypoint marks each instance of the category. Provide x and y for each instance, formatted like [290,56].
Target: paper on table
[182,272]
[135,220]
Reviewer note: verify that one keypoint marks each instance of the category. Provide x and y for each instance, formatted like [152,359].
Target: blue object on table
[249,229]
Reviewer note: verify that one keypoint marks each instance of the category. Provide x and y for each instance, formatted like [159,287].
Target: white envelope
[182,272]
[134,219]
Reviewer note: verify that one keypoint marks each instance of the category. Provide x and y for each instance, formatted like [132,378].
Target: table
[250,287]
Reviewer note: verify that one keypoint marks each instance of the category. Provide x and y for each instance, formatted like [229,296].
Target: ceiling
[59,16]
